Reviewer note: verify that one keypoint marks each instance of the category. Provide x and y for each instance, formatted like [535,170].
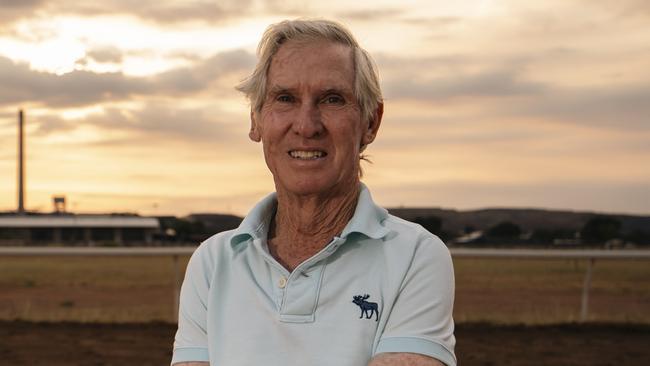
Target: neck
[303,225]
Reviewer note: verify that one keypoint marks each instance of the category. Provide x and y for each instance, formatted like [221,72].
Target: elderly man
[316,274]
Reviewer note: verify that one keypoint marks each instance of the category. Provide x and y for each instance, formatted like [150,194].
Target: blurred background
[488,103]
[508,125]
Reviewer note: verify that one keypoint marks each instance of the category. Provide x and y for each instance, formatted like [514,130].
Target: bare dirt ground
[119,311]
[54,344]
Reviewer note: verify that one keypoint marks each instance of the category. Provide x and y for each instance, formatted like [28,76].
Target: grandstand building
[70,229]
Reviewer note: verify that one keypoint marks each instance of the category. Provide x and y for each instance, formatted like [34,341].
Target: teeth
[306,154]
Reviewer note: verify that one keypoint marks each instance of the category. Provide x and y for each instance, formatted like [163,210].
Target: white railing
[590,255]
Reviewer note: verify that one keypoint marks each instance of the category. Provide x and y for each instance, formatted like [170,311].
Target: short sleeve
[191,340]
[420,320]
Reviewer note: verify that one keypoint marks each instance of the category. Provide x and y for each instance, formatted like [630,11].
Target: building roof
[77,221]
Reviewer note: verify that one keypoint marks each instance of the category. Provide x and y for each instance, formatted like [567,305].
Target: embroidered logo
[367,308]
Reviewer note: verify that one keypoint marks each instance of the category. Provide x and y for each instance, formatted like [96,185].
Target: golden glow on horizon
[487,103]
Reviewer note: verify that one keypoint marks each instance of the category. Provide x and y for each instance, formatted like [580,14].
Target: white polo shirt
[384,285]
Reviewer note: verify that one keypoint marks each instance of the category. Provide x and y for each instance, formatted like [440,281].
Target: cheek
[270,152]
[348,154]
[271,161]
[354,141]
[344,126]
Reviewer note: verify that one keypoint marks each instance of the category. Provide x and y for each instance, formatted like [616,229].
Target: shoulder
[403,232]
[212,250]
[215,243]
[411,249]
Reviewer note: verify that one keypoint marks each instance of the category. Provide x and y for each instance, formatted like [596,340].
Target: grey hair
[366,79]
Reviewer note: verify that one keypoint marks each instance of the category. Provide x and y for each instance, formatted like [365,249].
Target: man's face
[310,124]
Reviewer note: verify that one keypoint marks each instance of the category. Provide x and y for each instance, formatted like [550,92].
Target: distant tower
[21,164]
[59,204]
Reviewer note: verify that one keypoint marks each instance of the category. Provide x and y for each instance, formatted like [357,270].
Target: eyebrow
[279,89]
[335,91]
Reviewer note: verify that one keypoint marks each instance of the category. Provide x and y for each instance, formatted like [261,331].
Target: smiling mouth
[307,155]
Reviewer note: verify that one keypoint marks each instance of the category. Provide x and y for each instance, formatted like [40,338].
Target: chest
[291,253]
[331,310]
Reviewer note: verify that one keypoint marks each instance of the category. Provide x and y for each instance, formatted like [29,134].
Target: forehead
[315,63]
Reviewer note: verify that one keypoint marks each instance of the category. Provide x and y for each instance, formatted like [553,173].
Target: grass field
[549,291]
[140,289]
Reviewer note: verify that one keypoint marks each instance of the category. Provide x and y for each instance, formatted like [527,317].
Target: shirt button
[282,282]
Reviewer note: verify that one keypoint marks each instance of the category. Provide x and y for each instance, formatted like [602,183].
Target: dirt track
[53,344]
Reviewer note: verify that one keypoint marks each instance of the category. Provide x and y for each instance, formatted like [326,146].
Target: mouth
[307,155]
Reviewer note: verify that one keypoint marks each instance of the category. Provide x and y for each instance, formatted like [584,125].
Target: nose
[308,121]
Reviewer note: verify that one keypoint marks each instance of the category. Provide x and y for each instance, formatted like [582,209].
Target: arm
[403,359]
[191,340]
[420,320]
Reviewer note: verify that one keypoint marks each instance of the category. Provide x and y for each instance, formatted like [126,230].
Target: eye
[333,99]
[284,98]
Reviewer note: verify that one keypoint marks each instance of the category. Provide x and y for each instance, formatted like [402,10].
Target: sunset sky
[130,106]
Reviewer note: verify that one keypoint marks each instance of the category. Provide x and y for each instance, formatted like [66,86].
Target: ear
[373,126]
[255,133]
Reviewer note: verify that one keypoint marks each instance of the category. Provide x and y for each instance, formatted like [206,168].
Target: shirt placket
[296,293]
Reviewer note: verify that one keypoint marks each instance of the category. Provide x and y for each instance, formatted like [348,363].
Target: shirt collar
[367,219]
[256,224]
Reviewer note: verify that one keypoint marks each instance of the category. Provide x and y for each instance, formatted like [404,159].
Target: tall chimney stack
[21,164]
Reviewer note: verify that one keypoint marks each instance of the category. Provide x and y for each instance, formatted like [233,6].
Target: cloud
[48,124]
[404,132]
[21,84]
[373,15]
[151,122]
[613,105]
[199,76]
[160,119]
[6,114]
[423,63]
[105,55]
[15,7]
[436,22]
[159,11]
[436,28]
[456,75]
[13,10]
[616,107]
[622,8]
[506,82]
[164,11]
[20,4]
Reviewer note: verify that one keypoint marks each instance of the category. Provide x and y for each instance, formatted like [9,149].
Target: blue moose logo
[367,308]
